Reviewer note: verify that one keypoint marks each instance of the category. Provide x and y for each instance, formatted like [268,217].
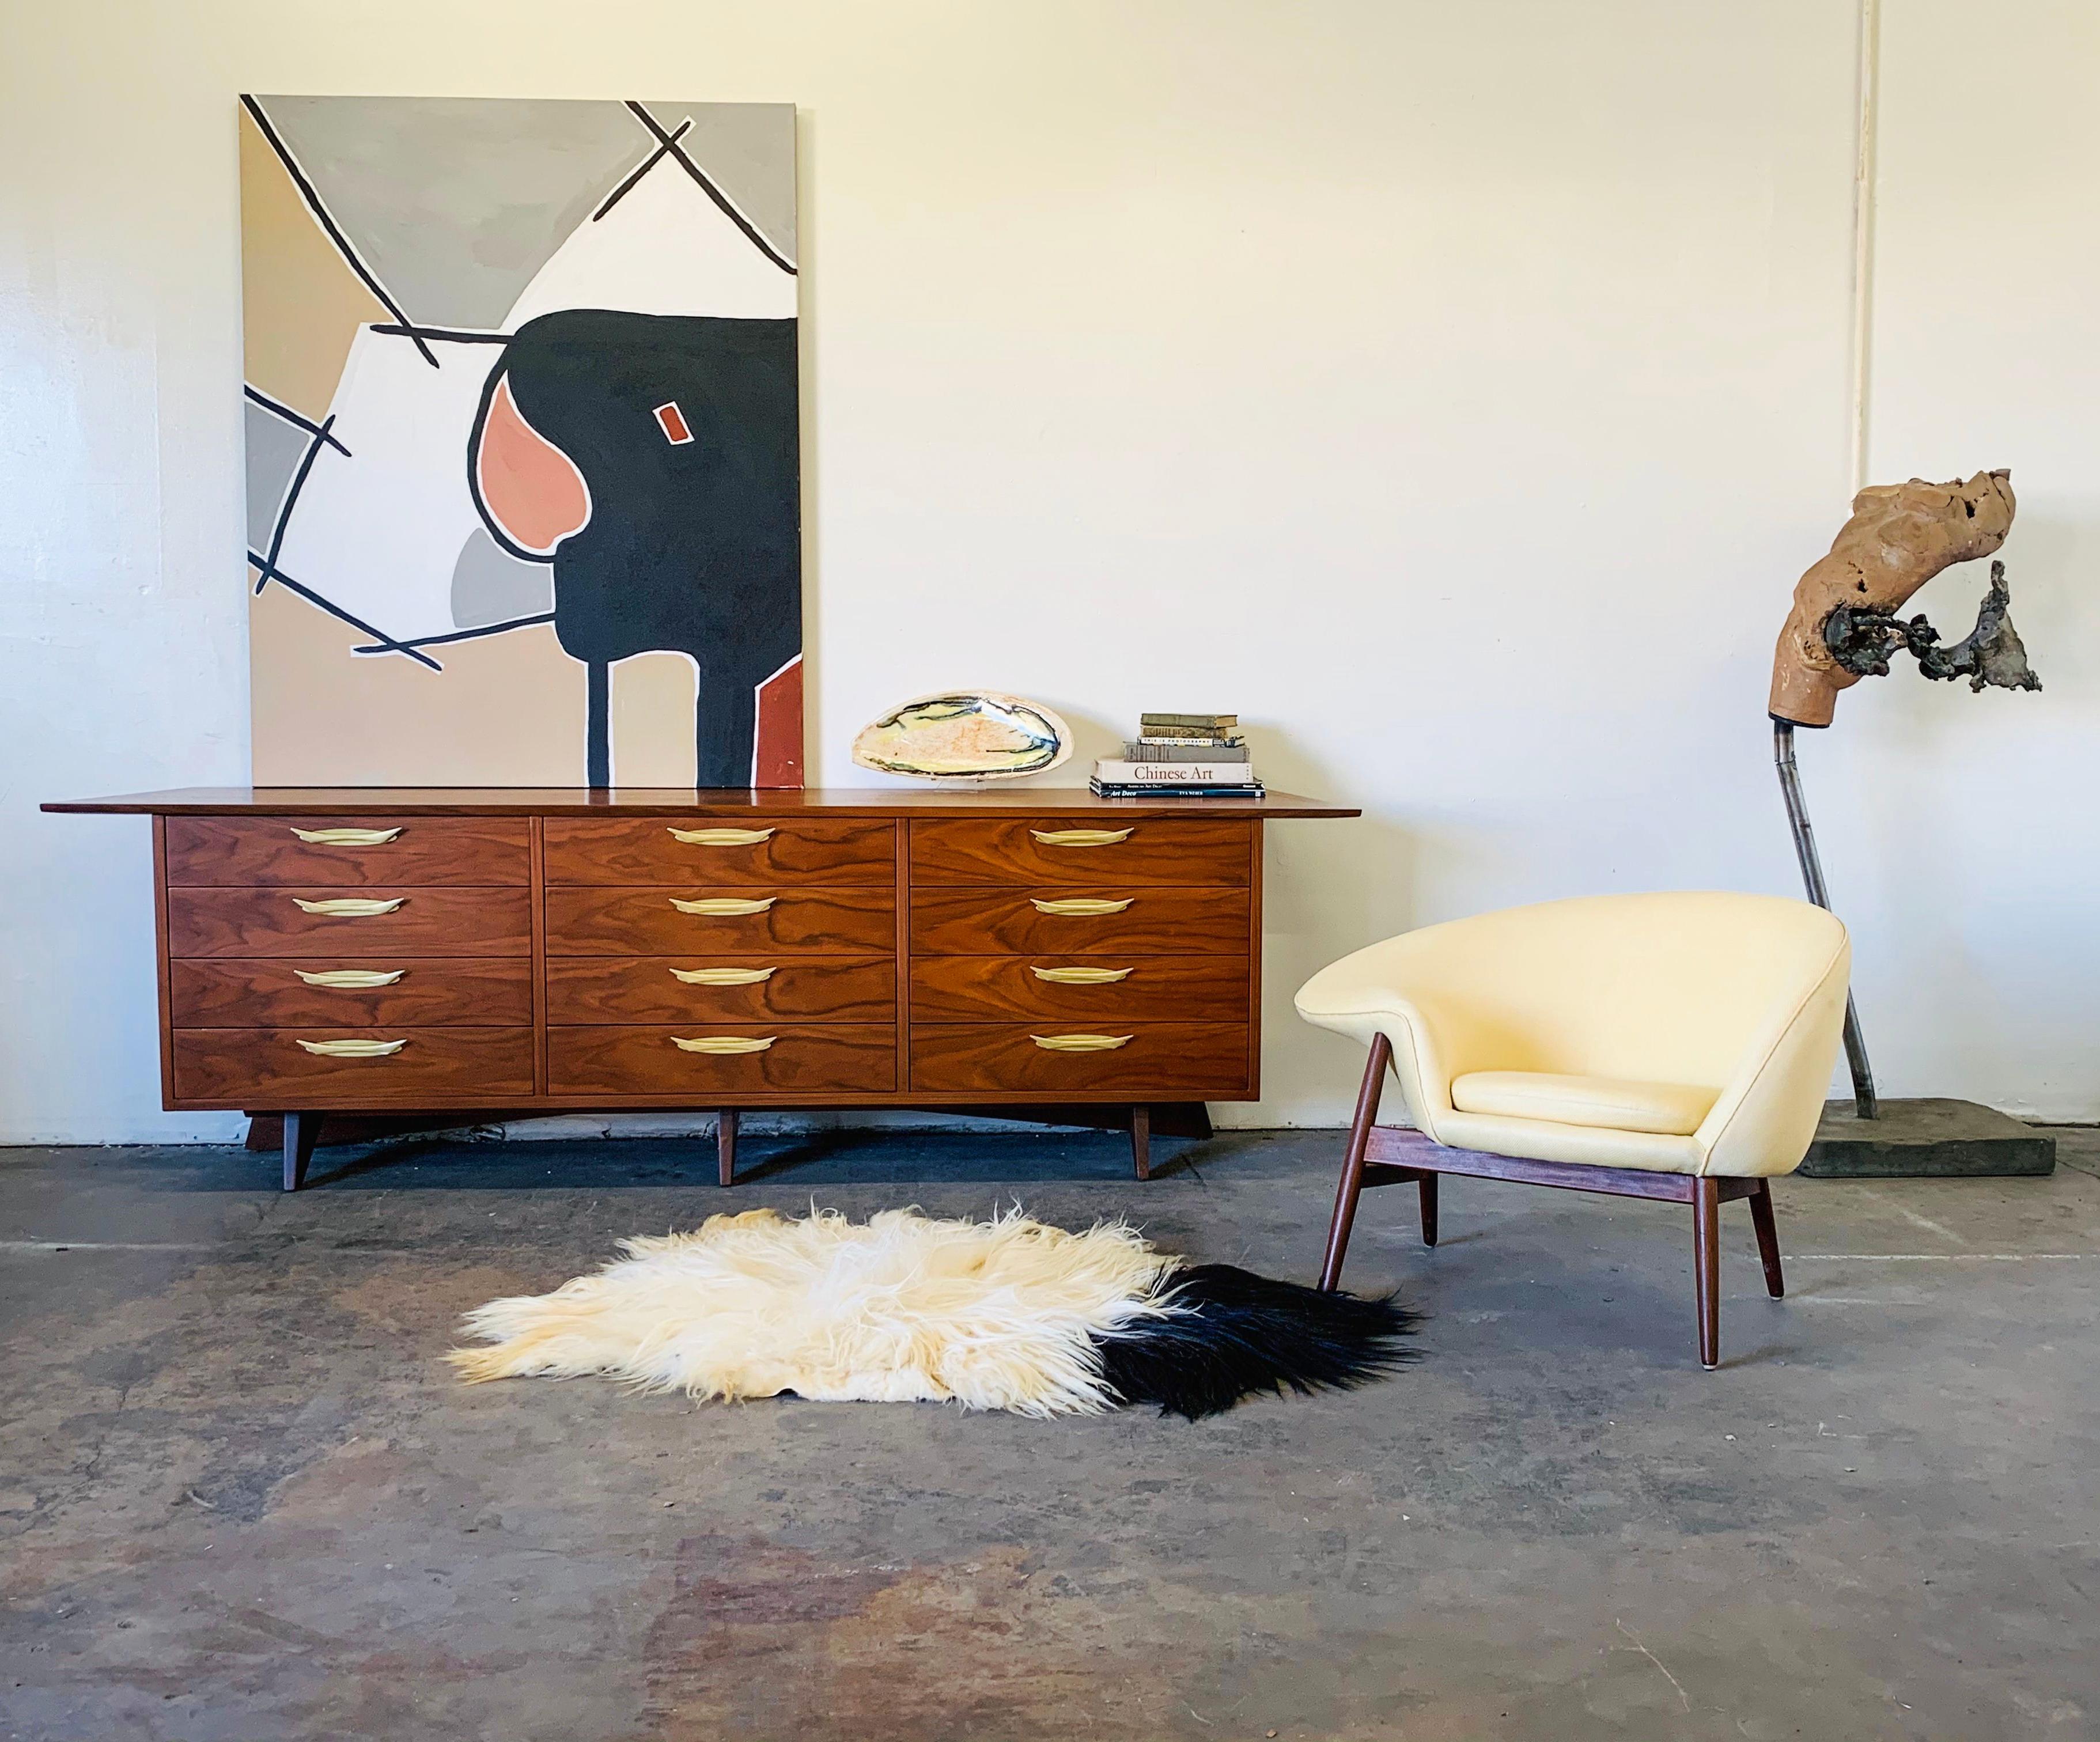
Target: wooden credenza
[329,950]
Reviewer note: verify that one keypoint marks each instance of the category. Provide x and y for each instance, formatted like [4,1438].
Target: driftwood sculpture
[1843,626]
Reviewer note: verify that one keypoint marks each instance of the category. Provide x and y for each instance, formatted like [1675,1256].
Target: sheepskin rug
[1005,1314]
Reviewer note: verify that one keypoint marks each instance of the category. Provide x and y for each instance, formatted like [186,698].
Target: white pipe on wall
[1863,233]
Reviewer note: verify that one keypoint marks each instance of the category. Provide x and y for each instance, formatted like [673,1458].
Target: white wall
[1969,863]
[1456,391]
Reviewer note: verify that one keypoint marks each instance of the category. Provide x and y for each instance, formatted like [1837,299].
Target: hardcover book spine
[1175,773]
[1155,789]
[1184,750]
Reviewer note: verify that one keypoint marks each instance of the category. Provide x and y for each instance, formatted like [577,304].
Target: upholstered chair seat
[1665,1109]
[1682,1034]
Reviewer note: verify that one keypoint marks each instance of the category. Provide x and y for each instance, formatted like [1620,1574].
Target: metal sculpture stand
[1811,875]
[1901,1138]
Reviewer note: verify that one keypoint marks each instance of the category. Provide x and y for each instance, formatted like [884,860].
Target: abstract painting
[521,402]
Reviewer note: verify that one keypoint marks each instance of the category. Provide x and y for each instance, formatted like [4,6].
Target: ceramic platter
[964,735]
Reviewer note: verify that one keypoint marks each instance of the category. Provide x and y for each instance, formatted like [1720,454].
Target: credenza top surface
[999,800]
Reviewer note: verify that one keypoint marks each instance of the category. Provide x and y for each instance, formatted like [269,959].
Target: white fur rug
[998,1315]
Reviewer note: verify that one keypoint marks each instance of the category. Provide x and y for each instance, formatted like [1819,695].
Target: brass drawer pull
[346,837]
[350,906]
[721,976]
[1081,1043]
[1079,906]
[720,837]
[1081,837]
[354,1049]
[1082,976]
[721,907]
[723,1046]
[349,979]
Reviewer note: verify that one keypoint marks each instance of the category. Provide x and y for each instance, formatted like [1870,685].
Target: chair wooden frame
[1386,1155]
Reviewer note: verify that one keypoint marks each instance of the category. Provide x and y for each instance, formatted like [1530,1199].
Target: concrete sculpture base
[1925,1138]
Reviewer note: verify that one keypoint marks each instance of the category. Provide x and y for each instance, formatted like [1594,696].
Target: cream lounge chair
[1672,1046]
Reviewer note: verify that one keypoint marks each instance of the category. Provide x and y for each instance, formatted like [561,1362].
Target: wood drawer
[967,921]
[643,922]
[642,1062]
[273,994]
[263,1067]
[646,989]
[1160,1061]
[1012,988]
[811,849]
[1047,850]
[431,922]
[233,852]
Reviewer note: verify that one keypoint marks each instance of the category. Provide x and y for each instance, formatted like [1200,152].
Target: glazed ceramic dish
[964,735]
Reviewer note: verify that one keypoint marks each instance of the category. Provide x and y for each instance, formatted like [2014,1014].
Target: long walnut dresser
[330,951]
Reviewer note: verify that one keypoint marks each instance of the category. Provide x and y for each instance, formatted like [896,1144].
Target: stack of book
[1193,756]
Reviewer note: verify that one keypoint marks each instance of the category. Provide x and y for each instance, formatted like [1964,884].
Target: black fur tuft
[1239,1335]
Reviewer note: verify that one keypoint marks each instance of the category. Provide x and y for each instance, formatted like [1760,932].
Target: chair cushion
[1672,1110]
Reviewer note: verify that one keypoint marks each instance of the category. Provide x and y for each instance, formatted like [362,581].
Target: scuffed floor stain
[762,1643]
[360,1479]
[393,1302]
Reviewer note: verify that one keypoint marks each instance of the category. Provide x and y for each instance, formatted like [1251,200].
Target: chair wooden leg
[1140,1139]
[301,1131]
[1706,1267]
[1352,1186]
[1760,1219]
[725,1147]
[1429,1209]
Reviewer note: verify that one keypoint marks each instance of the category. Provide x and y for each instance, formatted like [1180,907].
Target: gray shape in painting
[490,585]
[456,202]
[275,449]
[748,150]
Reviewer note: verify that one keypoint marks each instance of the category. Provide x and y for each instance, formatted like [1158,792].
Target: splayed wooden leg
[301,1131]
[1352,1186]
[1706,1267]
[1760,1219]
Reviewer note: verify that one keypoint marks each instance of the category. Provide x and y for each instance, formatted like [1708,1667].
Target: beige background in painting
[344,720]
[652,721]
[300,306]
[338,720]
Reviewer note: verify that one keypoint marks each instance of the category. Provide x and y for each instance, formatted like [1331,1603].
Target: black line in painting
[451,335]
[456,635]
[292,495]
[598,723]
[648,163]
[313,199]
[293,417]
[271,572]
[671,145]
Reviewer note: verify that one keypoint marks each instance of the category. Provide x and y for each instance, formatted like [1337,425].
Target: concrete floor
[240,1497]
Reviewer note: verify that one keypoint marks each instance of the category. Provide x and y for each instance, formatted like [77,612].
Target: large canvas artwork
[522,441]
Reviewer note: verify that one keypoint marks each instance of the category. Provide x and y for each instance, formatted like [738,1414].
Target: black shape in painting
[691,546]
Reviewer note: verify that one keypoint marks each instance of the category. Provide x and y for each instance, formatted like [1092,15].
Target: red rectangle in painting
[673,421]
